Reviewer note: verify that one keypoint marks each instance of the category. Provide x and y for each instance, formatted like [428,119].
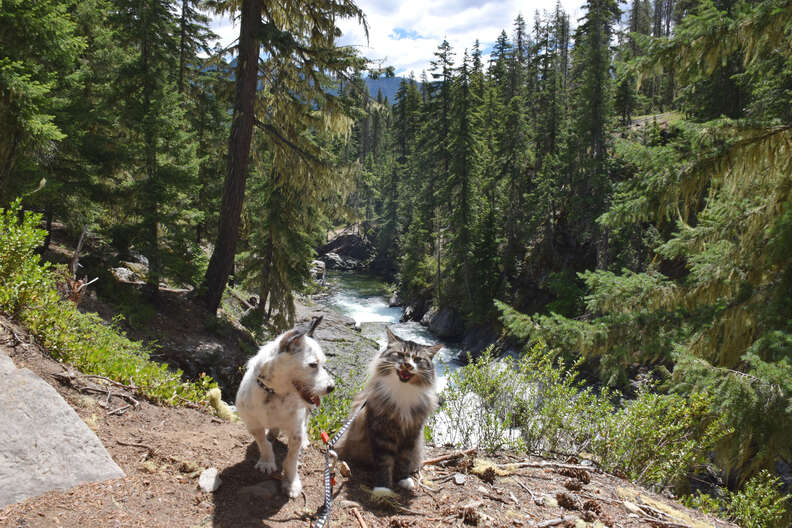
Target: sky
[405,34]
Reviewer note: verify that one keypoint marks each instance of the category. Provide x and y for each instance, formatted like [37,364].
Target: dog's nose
[330,388]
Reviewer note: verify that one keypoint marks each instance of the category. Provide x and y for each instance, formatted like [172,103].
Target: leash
[329,481]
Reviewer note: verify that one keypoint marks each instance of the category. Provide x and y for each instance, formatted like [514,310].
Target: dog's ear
[290,338]
[314,323]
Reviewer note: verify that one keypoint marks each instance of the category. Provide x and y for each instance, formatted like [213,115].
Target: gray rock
[206,351]
[317,269]
[395,300]
[459,479]
[209,480]
[334,261]
[428,316]
[125,275]
[446,323]
[45,446]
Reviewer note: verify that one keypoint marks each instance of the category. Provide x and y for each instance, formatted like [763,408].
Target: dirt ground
[163,450]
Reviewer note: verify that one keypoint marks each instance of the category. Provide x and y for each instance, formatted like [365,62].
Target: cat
[399,396]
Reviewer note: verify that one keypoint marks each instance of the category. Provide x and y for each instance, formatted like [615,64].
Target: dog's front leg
[266,463]
[292,485]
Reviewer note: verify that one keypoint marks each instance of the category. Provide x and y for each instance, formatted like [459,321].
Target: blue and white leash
[324,517]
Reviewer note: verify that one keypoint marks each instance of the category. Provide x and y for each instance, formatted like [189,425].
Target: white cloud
[405,34]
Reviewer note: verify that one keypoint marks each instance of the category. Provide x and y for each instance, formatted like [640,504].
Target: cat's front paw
[381,494]
[266,466]
[407,483]
[293,488]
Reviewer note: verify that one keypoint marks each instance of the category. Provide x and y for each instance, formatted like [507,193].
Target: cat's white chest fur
[405,396]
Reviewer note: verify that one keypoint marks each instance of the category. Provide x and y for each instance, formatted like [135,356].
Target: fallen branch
[449,456]
[359,518]
[120,410]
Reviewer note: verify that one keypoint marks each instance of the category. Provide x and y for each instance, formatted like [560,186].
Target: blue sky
[405,34]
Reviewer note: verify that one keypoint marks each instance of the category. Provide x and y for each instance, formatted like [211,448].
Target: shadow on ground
[246,497]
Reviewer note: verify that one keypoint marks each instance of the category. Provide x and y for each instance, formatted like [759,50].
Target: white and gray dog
[280,386]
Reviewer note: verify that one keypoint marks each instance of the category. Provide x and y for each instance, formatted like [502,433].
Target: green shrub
[29,294]
[334,410]
[533,404]
[659,438]
[760,504]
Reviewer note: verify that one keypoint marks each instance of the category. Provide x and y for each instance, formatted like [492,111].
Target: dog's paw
[266,466]
[382,494]
[293,488]
[407,483]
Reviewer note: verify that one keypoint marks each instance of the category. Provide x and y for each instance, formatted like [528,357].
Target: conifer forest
[617,187]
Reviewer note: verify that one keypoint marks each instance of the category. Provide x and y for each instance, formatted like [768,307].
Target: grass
[29,294]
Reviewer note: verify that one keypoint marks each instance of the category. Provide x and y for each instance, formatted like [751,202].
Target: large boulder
[334,261]
[45,445]
[446,323]
[349,246]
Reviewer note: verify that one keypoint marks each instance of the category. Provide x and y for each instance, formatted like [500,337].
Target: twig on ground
[449,456]
[132,444]
[120,410]
[359,518]
[554,522]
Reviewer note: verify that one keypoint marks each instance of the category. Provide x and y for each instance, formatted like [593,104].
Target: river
[364,298]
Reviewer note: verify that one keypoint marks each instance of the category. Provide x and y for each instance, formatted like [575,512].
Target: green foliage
[334,410]
[661,438]
[760,504]
[28,292]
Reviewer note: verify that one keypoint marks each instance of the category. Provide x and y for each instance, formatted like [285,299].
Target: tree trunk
[222,260]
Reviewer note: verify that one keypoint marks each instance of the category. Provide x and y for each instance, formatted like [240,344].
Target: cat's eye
[313,365]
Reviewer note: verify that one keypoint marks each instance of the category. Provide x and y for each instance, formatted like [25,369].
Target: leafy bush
[533,404]
[334,410]
[760,504]
[28,293]
[538,404]
[659,438]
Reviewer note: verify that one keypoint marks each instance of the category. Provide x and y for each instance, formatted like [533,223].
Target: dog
[282,383]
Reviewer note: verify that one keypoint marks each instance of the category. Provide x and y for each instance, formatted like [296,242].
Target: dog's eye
[313,365]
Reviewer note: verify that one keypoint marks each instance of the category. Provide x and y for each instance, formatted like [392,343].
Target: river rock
[45,445]
[395,300]
[477,339]
[446,323]
[349,246]
[317,270]
[428,316]
[334,261]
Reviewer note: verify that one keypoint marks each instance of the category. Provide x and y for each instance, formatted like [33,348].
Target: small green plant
[333,411]
[28,293]
[760,504]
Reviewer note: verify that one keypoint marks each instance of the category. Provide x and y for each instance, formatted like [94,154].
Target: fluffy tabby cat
[399,396]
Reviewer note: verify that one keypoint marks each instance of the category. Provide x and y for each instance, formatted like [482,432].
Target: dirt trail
[162,451]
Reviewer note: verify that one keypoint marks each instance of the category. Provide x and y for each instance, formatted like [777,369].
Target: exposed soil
[162,451]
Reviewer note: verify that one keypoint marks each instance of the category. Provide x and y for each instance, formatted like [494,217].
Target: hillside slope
[163,450]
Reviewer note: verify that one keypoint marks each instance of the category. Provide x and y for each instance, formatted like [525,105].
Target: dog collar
[261,384]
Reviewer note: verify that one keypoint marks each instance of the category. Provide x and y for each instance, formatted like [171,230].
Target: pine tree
[39,42]
[304,34]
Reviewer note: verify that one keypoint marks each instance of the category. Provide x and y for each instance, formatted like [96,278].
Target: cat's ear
[393,338]
[433,350]
[289,339]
